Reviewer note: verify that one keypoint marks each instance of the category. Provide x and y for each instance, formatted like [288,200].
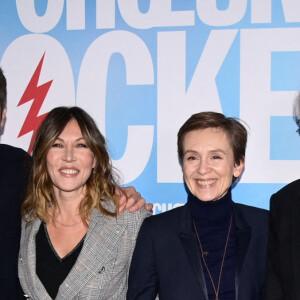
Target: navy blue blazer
[15,166]
[166,260]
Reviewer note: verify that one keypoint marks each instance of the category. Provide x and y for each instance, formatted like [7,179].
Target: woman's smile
[208,163]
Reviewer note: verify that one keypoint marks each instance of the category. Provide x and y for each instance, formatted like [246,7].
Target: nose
[69,154]
[203,167]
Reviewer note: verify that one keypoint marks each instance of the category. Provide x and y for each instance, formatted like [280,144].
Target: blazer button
[102,270]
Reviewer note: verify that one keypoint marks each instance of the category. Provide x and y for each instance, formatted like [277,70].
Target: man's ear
[3,117]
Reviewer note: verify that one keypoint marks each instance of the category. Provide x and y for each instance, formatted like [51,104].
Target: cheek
[90,161]
[187,174]
[50,158]
[187,169]
[51,162]
[228,174]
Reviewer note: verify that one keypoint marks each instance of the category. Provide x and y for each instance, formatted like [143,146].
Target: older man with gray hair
[283,260]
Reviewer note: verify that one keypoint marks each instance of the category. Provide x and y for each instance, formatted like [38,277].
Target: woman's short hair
[100,186]
[234,130]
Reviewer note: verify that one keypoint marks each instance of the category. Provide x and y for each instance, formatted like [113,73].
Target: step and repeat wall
[142,67]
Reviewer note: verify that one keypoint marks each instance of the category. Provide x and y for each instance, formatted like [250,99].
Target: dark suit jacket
[283,271]
[167,260]
[14,171]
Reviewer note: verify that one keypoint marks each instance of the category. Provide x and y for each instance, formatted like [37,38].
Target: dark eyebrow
[190,151]
[211,151]
[218,150]
[81,138]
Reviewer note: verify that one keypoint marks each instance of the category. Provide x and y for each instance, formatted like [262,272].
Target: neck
[210,211]
[67,205]
[68,201]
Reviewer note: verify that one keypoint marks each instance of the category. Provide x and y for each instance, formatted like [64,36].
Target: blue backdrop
[141,68]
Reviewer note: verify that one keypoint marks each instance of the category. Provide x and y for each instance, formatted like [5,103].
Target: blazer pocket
[109,282]
[98,285]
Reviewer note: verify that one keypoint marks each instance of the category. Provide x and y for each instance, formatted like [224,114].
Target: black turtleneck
[212,219]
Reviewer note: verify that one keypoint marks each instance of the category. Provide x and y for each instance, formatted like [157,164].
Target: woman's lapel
[190,245]
[103,234]
[38,290]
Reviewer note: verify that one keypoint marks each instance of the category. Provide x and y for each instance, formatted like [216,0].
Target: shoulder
[13,152]
[288,193]
[10,155]
[134,218]
[167,219]
[251,210]
[286,201]
[27,226]
[253,215]
[257,219]
[14,173]
[29,229]
[126,217]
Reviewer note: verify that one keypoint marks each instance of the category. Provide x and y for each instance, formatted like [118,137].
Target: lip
[68,172]
[206,182]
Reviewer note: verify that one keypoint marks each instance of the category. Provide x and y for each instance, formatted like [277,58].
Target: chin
[207,198]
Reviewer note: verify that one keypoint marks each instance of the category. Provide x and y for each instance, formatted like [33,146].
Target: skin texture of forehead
[213,129]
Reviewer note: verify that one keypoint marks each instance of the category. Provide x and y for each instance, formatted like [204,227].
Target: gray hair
[296,109]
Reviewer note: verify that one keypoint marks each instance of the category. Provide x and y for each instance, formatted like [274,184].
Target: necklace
[68,225]
[204,253]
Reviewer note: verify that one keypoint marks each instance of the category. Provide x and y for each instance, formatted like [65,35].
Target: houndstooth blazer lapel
[101,269]
[27,262]
[102,236]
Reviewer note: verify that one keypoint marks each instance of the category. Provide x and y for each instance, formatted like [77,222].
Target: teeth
[205,182]
[69,171]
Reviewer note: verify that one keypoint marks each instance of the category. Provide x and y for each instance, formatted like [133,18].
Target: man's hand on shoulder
[130,199]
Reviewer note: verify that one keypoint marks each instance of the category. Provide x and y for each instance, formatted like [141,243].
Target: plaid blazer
[101,269]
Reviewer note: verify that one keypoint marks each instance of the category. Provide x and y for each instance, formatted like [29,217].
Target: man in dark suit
[14,171]
[283,259]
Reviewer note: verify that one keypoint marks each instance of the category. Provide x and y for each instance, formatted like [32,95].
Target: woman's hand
[130,199]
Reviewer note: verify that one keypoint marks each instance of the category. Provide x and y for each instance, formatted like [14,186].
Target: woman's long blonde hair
[100,187]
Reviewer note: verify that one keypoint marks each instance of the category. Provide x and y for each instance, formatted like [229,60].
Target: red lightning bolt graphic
[38,95]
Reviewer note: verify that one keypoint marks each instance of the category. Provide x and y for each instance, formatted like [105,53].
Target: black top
[15,165]
[50,268]
[212,219]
